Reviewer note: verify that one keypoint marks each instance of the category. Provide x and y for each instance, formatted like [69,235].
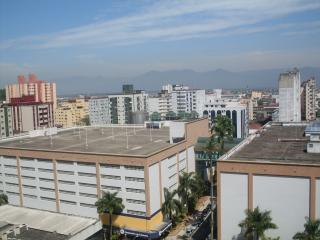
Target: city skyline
[77,43]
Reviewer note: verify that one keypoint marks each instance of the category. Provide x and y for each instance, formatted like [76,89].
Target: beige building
[308,100]
[42,91]
[70,113]
[270,170]
[69,171]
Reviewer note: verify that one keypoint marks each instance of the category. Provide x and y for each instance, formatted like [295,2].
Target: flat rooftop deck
[280,144]
[48,222]
[103,140]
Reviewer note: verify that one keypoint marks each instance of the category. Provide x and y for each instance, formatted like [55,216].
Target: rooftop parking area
[103,140]
[285,144]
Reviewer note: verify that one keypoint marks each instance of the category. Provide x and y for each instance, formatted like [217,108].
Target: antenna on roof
[51,142]
[79,132]
[112,132]
[150,126]
[86,138]
[127,137]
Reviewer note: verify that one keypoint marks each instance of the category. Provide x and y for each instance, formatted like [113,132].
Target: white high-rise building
[161,104]
[289,96]
[188,100]
[116,109]
[308,100]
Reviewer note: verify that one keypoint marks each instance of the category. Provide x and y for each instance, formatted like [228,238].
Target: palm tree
[256,223]
[223,128]
[109,203]
[187,190]
[311,230]
[3,199]
[171,206]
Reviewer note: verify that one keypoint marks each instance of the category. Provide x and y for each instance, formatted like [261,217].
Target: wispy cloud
[170,20]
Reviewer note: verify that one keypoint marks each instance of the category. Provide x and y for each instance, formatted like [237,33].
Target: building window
[135,190]
[67,192]
[87,185]
[111,177]
[136,168]
[136,201]
[68,202]
[88,195]
[139,213]
[86,174]
[48,199]
[66,172]
[105,187]
[134,179]
[67,182]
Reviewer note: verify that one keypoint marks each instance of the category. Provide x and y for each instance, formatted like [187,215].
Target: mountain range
[153,80]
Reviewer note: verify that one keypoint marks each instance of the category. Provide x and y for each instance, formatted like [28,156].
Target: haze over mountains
[153,80]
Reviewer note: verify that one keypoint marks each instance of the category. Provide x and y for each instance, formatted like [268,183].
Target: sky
[121,39]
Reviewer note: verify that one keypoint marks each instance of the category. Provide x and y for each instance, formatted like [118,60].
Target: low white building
[234,110]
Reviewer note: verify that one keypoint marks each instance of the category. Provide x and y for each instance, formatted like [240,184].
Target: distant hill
[219,78]
[153,80]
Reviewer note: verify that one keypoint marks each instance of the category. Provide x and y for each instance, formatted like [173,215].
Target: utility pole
[211,198]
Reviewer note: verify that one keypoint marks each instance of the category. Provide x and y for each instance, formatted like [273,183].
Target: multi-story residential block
[234,110]
[308,100]
[42,91]
[187,100]
[27,114]
[117,108]
[270,170]
[289,96]
[161,103]
[71,112]
[5,121]
[69,171]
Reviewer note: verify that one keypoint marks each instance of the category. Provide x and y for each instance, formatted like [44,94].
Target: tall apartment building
[69,171]
[161,103]
[71,112]
[116,109]
[308,100]
[289,96]
[42,91]
[271,170]
[187,100]
[5,121]
[29,115]
[234,110]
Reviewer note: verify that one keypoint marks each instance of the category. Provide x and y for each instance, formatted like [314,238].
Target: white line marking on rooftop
[136,148]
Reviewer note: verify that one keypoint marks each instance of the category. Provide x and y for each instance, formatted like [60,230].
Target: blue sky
[61,39]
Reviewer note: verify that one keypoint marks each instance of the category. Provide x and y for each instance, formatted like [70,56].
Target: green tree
[110,204]
[3,199]
[187,190]
[194,115]
[2,94]
[171,115]
[171,207]
[311,230]
[155,116]
[223,129]
[85,121]
[256,223]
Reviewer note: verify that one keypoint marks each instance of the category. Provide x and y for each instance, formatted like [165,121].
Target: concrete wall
[288,200]
[154,185]
[234,202]
[318,198]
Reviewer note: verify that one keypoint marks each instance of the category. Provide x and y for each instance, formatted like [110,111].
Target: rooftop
[137,141]
[42,224]
[276,143]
